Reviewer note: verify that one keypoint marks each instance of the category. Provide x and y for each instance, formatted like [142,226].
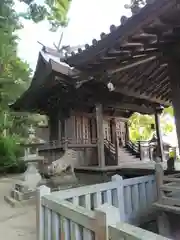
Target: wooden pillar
[53,127]
[159,134]
[100,135]
[174,73]
[63,130]
[113,130]
[64,134]
[127,132]
[53,134]
[114,138]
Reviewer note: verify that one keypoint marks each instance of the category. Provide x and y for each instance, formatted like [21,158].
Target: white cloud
[87,20]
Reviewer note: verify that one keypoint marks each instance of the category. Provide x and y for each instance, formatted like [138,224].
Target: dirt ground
[15,223]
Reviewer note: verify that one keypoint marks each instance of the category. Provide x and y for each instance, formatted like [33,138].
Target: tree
[55,11]
[169,111]
[14,73]
[140,126]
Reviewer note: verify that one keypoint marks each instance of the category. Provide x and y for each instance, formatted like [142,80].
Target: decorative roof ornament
[136,5]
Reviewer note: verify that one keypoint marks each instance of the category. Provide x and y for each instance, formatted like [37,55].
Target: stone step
[11,201]
[20,196]
[123,154]
[14,203]
[167,208]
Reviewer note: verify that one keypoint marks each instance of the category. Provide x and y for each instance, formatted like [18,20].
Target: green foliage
[10,152]
[14,73]
[55,11]
[140,126]
[169,111]
[14,79]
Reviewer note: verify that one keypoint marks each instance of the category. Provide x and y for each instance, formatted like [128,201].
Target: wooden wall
[81,128]
[78,128]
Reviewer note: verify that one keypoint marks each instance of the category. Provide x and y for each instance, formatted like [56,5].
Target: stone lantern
[25,188]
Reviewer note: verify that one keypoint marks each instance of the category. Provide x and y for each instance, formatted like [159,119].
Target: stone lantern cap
[32,140]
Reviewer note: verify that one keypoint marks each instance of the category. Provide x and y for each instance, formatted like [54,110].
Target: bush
[10,153]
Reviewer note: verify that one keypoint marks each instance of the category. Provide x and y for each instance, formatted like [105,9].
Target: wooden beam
[133,107]
[157,90]
[128,65]
[137,75]
[144,78]
[155,77]
[132,26]
[138,95]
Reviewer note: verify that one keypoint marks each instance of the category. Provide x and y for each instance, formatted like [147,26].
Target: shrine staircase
[133,148]
[124,154]
[127,156]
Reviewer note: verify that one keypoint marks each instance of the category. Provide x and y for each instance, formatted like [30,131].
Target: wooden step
[167,208]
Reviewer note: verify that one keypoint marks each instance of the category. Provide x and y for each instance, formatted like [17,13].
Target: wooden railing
[126,231]
[92,212]
[141,149]
[64,220]
[110,153]
[110,146]
[133,147]
[69,142]
[133,197]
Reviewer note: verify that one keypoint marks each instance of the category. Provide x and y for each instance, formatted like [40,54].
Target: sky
[88,18]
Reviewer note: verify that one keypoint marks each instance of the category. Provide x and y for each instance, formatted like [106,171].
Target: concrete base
[64,180]
[25,189]
[20,195]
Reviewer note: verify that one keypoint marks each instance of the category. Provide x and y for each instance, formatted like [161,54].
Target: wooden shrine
[94,124]
[134,68]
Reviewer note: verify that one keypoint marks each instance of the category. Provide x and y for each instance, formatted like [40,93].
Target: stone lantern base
[25,189]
